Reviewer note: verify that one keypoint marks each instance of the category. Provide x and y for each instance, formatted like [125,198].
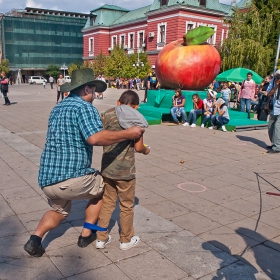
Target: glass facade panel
[34,41]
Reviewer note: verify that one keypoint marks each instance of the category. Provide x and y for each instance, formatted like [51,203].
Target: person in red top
[197,109]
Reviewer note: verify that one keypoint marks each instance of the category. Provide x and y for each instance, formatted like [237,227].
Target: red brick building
[150,28]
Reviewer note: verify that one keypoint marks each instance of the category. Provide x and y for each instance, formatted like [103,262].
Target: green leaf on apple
[199,35]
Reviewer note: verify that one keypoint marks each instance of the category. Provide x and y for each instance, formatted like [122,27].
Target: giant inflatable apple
[189,63]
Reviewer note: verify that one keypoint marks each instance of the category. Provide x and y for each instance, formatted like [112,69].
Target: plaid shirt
[67,153]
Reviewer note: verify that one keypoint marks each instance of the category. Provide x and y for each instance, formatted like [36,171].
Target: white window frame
[215,34]
[190,22]
[222,37]
[160,45]
[138,37]
[120,42]
[91,46]
[112,41]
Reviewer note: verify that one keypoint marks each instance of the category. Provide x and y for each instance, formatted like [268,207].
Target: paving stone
[72,259]
[254,229]
[5,209]
[226,239]
[29,268]
[28,205]
[243,207]
[264,259]
[104,273]
[150,226]
[273,243]
[167,209]
[195,223]
[19,193]
[270,217]
[191,253]
[146,197]
[221,214]
[194,203]
[151,265]
[236,271]
[11,225]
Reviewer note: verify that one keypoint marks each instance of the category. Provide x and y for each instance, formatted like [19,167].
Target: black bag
[266,105]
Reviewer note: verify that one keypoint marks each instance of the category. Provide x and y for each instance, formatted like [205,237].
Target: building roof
[244,4]
[37,11]
[133,15]
[109,15]
[210,4]
[228,9]
[111,7]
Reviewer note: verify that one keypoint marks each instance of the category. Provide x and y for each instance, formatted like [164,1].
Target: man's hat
[83,77]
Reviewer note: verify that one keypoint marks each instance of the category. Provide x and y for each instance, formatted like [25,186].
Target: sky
[83,6]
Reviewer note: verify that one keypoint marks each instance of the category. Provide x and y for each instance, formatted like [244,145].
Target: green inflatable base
[159,102]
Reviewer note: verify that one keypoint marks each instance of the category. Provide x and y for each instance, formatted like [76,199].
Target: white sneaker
[133,242]
[193,125]
[224,128]
[210,127]
[101,244]
[186,124]
[202,126]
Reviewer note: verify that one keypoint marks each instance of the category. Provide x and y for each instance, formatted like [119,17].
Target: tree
[117,64]
[53,70]
[72,67]
[140,71]
[247,43]
[99,63]
[4,66]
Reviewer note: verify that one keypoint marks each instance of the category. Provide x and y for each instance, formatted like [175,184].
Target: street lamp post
[138,63]
[64,67]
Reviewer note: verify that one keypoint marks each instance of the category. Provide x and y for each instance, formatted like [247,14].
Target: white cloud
[31,3]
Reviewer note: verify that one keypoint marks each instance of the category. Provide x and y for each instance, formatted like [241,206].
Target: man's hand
[135,132]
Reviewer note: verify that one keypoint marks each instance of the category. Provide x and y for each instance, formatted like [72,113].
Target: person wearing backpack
[247,93]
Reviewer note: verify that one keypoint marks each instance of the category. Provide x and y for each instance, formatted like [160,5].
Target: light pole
[64,67]
[277,56]
[138,63]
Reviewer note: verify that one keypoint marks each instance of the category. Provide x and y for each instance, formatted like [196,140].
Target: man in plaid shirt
[65,169]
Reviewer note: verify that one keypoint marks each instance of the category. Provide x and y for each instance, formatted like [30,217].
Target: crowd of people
[212,109]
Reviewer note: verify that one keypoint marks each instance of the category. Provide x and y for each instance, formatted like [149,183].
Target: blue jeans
[174,116]
[219,119]
[206,118]
[246,101]
[192,115]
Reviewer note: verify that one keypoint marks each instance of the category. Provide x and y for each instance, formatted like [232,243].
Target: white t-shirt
[209,103]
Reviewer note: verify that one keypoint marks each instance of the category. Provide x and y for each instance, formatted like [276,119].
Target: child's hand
[148,149]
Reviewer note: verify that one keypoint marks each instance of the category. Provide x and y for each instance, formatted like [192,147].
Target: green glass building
[34,38]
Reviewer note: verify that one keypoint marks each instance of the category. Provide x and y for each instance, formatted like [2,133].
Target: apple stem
[184,41]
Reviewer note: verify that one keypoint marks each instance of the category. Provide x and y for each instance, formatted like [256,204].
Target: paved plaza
[206,218]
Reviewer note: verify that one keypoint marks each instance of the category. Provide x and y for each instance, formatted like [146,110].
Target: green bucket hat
[83,77]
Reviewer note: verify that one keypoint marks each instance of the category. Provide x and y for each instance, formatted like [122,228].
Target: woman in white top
[208,104]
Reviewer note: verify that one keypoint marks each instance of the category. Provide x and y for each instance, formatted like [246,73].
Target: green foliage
[117,64]
[4,66]
[99,63]
[248,42]
[199,35]
[143,66]
[72,67]
[53,70]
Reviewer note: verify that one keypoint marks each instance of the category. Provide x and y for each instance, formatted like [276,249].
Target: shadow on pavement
[241,269]
[258,142]
[267,254]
